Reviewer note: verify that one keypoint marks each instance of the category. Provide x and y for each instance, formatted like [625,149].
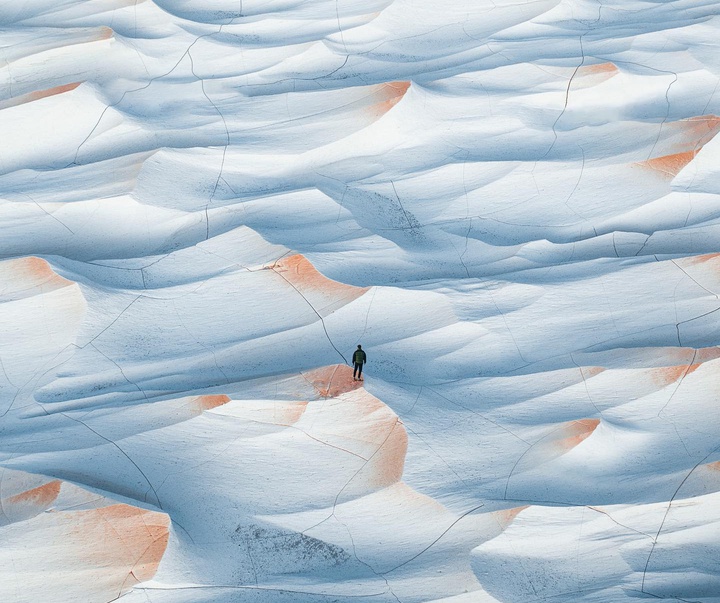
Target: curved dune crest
[37,95]
[28,276]
[393,92]
[324,294]
[573,433]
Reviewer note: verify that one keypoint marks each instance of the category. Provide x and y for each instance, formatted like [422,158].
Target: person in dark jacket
[359,358]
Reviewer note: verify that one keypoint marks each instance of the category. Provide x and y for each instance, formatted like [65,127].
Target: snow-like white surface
[207,204]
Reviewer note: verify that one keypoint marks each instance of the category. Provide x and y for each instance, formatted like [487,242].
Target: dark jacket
[359,357]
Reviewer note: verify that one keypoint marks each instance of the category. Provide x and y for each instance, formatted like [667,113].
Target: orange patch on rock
[713,466]
[505,517]
[29,276]
[37,95]
[388,463]
[696,132]
[700,259]
[669,166]
[324,294]
[392,93]
[599,68]
[202,403]
[591,371]
[575,432]
[331,381]
[121,545]
[42,496]
[33,96]
[105,33]
[670,374]
[701,129]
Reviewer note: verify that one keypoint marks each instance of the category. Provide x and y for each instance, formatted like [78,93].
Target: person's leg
[360,365]
[355,370]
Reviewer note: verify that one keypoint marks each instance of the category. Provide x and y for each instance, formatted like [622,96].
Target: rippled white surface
[513,206]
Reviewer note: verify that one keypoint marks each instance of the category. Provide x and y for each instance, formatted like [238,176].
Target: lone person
[359,358]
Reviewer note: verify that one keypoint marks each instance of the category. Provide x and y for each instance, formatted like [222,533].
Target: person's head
[359,347]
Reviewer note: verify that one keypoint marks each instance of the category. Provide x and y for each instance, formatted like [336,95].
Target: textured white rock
[513,207]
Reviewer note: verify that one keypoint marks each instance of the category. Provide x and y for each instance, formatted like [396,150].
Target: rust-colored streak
[104,33]
[331,381]
[37,95]
[694,132]
[700,259]
[707,354]
[591,371]
[505,517]
[575,432]
[713,466]
[29,276]
[593,75]
[202,403]
[388,463]
[120,545]
[300,272]
[33,96]
[391,94]
[669,166]
[42,496]
[699,130]
[609,68]
[670,374]
[323,294]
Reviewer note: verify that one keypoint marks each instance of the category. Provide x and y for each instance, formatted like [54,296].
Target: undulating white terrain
[514,206]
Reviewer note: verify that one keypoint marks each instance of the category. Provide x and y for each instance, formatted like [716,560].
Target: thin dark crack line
[352,477]
[667,511]
[419,437]
[615,521]
[126,92]
[693,280]
[125,454]
[520,458]
[322,321]
[465,514]
[587,390]
[49,213]
[227,134]
[410,224]
[122,372]
[679,383]
[370,567]
[567,97]
[505,429]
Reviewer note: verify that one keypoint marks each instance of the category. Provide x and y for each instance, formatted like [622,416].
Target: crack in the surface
[505,429]
[322,321]
[434,542]
[353,476]
[622,525]
[419,437]
[225,126]
[567,98]
[667,511]
[380,575]
[125,454]
[679,383]
[682,322]
[122,372]
[411,226]
[587,390]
